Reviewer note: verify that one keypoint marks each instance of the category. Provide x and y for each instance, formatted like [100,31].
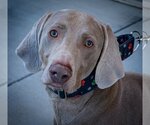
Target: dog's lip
[55,85]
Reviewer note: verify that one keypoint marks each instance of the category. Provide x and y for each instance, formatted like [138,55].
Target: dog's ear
[110,67]
[29,47]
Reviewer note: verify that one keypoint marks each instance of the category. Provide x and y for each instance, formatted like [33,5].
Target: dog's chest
[66,112]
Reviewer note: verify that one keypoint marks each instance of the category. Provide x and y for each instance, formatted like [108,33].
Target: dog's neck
[67,110]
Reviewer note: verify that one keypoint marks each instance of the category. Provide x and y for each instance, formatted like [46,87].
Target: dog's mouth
[54,85]
[62,87]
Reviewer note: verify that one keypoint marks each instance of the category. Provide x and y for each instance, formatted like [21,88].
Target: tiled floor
[28,100]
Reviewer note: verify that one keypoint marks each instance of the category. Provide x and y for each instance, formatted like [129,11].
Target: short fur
[117,101]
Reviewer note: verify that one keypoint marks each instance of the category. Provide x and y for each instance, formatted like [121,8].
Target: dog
[82,70]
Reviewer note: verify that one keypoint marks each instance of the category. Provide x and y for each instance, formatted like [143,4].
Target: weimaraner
[82,70]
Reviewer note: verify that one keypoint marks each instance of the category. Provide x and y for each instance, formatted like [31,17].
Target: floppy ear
[110,67]
[29,47]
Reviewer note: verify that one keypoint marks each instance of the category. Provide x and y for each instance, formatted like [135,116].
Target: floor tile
[28,103]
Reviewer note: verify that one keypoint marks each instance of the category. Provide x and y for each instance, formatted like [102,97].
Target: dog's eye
[53,33]
[88,43]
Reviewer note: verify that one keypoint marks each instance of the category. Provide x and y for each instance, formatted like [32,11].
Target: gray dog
[82,70]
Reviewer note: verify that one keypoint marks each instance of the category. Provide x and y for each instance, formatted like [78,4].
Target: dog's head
[66,45]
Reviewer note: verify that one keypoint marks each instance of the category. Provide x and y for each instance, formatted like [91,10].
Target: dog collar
[126,47]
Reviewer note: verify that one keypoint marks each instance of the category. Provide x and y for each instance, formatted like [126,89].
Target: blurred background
[3,62]
[28,102]
[146,63]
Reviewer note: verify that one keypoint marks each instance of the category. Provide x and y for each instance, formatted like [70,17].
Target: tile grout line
[3,83]
[146,20]
[128,25]
[28,75]
[18,80]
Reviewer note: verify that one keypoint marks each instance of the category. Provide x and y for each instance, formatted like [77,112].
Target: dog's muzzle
[59,73]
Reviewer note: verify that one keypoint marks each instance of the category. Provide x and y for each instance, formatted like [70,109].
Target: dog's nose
[60,73]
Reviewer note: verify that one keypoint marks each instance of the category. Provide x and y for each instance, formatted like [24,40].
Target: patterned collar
[126,46]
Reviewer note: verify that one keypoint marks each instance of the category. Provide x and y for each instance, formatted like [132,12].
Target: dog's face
[70,46]
[66,45]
